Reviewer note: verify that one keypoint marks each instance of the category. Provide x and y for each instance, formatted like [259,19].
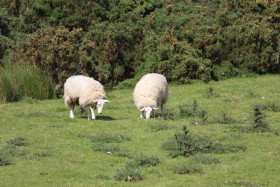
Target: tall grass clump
[18,81]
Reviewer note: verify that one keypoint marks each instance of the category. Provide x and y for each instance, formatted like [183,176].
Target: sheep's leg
[154,113]
[162,110]
[72,111]
[91,112]
[141,116]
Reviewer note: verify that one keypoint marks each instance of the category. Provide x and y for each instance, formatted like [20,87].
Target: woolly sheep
[86,92]
[150,92]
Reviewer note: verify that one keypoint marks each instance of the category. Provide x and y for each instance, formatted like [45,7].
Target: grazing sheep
[150,92]
[84,91]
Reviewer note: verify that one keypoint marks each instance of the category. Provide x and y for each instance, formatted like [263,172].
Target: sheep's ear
[142,109]
[106,101]
[155,108]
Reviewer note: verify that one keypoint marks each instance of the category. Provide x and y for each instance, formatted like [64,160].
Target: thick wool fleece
[82,90]
[151,91]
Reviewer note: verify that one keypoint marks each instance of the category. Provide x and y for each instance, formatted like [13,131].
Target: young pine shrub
[224,118]
[185,144]
[19,81]
[260,124]
[209,92]
[170,114]
[202,118]
[188,110]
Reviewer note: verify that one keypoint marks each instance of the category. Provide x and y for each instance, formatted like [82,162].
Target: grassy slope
[57,155]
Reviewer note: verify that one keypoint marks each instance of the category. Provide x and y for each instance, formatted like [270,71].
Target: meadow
[222,133]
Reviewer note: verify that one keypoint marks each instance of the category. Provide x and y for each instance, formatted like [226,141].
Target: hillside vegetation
[224,136]
[115,40]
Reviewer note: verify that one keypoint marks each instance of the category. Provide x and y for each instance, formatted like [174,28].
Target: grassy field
[41,146]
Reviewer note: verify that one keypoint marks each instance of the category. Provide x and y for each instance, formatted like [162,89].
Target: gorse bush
[117,40]
[18,81]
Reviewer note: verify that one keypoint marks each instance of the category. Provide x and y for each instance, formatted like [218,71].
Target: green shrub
[18,81]
[4,159]
[260,124]
[143,160]
[117,40]
[18,141]
[189,110]
[185,144]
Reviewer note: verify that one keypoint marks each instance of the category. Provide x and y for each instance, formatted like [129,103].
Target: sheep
[86,92]
[150,92]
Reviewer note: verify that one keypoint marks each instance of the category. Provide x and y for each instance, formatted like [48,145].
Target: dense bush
[117,40]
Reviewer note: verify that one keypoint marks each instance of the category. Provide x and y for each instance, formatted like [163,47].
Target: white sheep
[150,92]
[86,92]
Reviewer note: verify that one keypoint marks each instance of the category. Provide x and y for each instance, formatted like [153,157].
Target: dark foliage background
[116,40]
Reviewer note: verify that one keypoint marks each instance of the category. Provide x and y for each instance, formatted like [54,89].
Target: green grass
[54,150]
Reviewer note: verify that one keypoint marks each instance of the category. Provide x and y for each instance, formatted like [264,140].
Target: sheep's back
[85,88]
[151,90]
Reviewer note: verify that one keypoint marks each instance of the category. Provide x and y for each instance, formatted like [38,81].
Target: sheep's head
[148,111]
[100,104]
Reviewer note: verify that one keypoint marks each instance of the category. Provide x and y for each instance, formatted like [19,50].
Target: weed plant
[187,169]
[109,138]
[111,149]
[130,173]
[160,127]
[270,106]
[204,159]
[251,94]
